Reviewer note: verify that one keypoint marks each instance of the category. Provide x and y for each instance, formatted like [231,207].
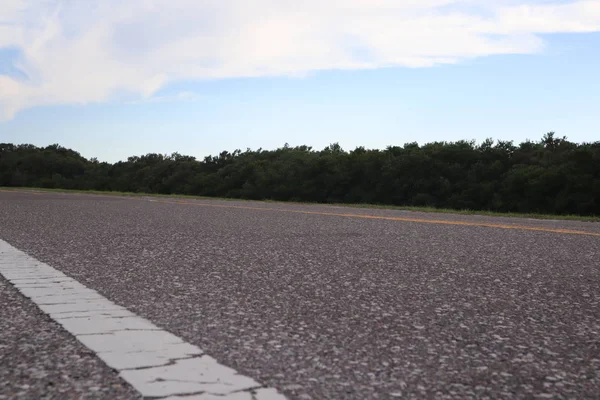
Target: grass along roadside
[365,206]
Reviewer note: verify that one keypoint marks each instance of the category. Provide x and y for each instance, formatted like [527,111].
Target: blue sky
[535,70]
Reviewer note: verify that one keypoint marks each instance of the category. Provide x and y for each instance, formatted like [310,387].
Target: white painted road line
[155,362]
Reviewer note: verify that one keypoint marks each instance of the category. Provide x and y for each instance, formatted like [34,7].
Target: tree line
[553,175]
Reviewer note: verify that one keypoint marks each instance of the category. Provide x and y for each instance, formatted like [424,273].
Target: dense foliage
[549,176]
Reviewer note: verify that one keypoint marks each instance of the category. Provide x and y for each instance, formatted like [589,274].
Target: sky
[111,78]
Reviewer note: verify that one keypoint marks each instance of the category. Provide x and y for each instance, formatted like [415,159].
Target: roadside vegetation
[552,176]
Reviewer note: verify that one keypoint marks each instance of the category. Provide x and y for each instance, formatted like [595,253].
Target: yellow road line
[402,219]
[350,215]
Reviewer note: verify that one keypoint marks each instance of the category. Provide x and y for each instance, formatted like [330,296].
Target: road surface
[318,302]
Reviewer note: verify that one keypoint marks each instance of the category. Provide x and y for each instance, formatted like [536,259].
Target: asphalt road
[337,306]
[39,360]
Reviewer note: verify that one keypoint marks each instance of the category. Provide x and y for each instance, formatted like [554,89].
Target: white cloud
[88,51]
[185,96]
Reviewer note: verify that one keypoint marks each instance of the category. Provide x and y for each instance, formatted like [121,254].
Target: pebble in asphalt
[327,307]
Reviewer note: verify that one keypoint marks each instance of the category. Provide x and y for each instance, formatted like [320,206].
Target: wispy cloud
[178,97]
[87,51]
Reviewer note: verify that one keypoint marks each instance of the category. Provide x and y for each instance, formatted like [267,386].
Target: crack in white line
[111,331]
[71,312]
[171,361]
[178,395]
[107,316]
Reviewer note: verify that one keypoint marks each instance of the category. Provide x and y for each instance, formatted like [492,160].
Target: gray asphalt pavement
[335,307]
